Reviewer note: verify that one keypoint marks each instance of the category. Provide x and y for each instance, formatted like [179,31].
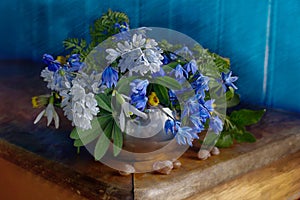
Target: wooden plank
[278,133]
[18,184]
[279,180]
[85,177]
[49,152]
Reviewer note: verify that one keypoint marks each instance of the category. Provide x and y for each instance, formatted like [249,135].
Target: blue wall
[261,37]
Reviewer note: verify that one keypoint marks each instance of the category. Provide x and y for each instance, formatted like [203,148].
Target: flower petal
[56,119]
[122,121]
[38,118]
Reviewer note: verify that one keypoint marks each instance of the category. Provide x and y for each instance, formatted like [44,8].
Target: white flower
[50,113]
[90,82]
[79,106]
[140,55]
[78,102]
[55,80]
[128,109]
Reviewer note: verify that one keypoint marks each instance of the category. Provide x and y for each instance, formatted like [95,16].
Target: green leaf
[225,140]
[78,133]
[245,117]
[245,137]
[234,101]
[83,137]
[78,143]
[103,102]
[101,147]
[170,66]
[210,140]
[104,141]
[86,140]
[162,94]
[123,84]
[104,120]
[167,82]
[117,137]
[229,94]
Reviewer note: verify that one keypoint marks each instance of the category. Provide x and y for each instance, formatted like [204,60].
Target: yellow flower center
[61,59]
[153,99]
[35,103]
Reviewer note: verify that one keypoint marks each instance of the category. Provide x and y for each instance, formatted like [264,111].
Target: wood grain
[278,135]
[19,184]
[279,180]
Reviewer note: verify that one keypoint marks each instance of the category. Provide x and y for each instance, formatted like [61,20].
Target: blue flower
[198,123]
[191,106]
[173,56]
[216,124]
[138,93]
[205,110]
[191,66]
[184,51]
[185,135]
[110,77]
[139,101]
[171,126]
[200,85]
[166,60]
[122,27]
[172,96]
[139,86]
[74,62]
[53,65]
[227,81]
[209,105]
[180,73]
[160,73]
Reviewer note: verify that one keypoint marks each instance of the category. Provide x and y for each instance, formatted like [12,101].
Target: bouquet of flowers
[135,82]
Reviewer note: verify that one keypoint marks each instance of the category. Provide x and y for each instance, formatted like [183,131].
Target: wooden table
[45,158]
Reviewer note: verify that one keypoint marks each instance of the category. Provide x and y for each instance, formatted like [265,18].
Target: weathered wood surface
[279,180]
[49,153]
[19,184]
[46,151]
[85,177]
[278,133]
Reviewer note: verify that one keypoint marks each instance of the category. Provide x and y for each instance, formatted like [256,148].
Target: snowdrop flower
[50,113]
[127,110]
[139,55]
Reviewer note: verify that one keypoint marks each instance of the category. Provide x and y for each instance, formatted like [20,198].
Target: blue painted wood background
[261,37]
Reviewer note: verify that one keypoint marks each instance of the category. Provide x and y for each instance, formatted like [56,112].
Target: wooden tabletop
[49,153]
